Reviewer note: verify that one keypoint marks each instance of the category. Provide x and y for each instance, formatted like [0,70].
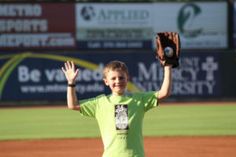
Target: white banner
[113,21]
[201,25]
[113,15]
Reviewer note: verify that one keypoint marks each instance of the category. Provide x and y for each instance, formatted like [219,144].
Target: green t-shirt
[120,119]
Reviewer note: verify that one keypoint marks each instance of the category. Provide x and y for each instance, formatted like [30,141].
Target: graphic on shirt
[121,117]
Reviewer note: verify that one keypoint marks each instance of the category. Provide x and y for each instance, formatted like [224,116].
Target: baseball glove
[168,48]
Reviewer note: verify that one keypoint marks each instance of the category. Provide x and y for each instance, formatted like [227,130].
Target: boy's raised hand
[168,48]
[70,71]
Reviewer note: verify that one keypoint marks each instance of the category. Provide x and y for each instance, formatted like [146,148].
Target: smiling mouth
[119,86]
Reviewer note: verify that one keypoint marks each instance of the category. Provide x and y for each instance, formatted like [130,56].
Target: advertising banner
[37,76]
[202,25]
[114,25]
[37,26]
[80,26]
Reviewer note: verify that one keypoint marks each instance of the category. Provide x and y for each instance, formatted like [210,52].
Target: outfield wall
[34,44]
[38,76]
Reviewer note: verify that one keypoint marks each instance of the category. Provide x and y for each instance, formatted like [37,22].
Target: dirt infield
[154,147]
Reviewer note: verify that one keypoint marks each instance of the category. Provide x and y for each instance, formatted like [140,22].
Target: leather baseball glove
[168,48]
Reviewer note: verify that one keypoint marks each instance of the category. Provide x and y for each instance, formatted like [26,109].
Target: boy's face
[117,81]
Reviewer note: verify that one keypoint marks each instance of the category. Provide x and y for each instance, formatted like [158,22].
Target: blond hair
[115,65]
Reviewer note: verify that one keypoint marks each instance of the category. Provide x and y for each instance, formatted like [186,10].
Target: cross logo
[209,66]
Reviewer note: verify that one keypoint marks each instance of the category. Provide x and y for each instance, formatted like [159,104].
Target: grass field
[167,120]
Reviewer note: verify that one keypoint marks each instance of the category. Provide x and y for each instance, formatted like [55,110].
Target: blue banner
[37,76]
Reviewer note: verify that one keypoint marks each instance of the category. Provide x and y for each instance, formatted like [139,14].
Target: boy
[119,115]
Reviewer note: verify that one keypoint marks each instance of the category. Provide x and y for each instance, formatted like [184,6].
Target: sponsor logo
[187,18]
[121,117]
[88,13]
[197,76]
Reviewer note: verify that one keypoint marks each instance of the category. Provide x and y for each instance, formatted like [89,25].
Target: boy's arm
[165,89]
[167,39]
[71,73]
[72,101]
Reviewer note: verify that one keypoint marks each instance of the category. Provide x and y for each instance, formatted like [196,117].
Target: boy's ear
[105,81]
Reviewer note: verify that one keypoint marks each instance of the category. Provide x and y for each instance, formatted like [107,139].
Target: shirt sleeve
[150,100]
[88,107]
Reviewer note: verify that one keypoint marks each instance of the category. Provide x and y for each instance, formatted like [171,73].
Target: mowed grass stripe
[166,120]
[194,120]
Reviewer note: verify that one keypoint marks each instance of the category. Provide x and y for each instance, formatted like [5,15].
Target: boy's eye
[121,78]
[113,78]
